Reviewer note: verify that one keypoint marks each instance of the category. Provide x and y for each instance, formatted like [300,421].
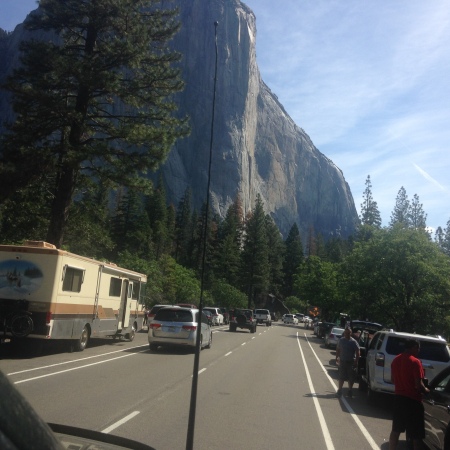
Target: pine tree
[276,256]
[401,212]
[93,102]
[227,264]
[370,215]
[293,259]
[417,217]
[183,228]
[255,255]
[446,240]
[157,214]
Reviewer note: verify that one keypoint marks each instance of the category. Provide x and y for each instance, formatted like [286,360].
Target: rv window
[73,279]
[115,287]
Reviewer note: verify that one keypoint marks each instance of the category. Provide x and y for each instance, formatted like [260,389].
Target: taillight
[331,335]
[155,326]
[379,359]
[48,317]
[189,327]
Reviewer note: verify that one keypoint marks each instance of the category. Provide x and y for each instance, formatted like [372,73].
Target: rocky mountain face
[257,148]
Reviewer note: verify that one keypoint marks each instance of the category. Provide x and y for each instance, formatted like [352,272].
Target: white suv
[217,316]
[387,344]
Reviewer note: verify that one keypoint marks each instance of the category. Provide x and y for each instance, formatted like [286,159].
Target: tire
[232,327]
[253,330]
[81,343]
[153,347]
[362,385]
[130,336]
[210,340]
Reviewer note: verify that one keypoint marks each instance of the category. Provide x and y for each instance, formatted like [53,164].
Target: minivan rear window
[173,315]
[431,351]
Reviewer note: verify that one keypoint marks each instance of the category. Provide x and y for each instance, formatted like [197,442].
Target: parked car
[290,318]
[217,315]
[387,344]
[437,417]
[332,338]
[177,326]
[242,318]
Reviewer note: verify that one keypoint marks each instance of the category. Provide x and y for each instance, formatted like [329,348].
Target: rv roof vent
[41,244]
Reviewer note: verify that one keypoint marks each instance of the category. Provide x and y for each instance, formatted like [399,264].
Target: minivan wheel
[210,341]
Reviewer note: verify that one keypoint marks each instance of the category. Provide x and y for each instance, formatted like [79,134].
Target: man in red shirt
[407,375]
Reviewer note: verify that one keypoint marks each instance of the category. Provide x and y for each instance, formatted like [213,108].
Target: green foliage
[255,255]
[293,259]
[316,283]
[224,294]
[95,102]
[295,304]
[370,215]
[400,278]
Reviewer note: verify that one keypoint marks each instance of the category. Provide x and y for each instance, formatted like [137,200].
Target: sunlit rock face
[256,146]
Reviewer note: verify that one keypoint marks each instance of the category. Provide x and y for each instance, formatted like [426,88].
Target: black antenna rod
[193,404]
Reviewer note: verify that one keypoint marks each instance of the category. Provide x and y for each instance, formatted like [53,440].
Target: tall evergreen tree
[255,255]
[94,101]
[276,256]
[370,215]
[401,212]
[227,264]
[157,214]
[417,216]
[293,259]
[184,228]
[446,240]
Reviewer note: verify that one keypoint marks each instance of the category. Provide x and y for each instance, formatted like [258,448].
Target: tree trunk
[60,206]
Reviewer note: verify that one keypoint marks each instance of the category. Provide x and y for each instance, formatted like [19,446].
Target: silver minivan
[178,326]
[387,344]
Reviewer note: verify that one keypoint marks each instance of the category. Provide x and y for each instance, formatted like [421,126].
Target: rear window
[173,315]
[431,351]
[262,311]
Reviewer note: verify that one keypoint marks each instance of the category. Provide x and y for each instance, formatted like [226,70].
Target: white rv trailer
[47,293]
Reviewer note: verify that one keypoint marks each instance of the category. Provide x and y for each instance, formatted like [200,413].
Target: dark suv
[242,318]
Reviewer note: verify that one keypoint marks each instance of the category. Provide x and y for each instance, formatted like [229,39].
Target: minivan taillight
[379,359]
[155,326]
[48,317]
[189,327]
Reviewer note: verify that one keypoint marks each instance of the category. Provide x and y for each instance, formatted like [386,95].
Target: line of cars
[178,325]
[379,347]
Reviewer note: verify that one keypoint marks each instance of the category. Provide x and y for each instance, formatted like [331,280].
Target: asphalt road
[274,388]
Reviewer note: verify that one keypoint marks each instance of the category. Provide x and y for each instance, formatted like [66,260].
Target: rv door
[125,304]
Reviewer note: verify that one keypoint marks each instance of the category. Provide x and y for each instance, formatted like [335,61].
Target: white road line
[323,424]
[76,360]
[361,427]
[243,343]
[120,422]
[201,371]
[76,368]
[229,353]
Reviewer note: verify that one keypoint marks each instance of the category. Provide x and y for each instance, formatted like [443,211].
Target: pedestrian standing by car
[407,375]
[347,356]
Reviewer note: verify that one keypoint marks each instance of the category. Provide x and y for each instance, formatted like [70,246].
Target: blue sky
[368,81]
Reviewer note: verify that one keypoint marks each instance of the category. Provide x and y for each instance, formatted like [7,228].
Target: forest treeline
[397,275]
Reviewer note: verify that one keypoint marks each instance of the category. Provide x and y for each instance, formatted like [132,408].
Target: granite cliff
[257,148]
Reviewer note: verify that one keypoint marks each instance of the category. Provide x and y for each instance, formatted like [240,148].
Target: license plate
[170,329]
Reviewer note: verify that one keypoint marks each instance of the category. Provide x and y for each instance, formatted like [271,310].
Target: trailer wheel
[81,343]
[131,334]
